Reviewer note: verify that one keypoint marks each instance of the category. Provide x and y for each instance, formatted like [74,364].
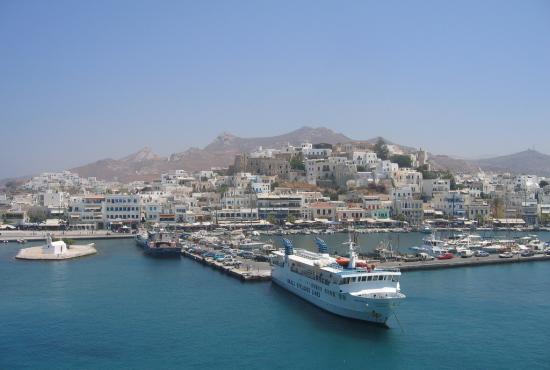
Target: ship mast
[352,255]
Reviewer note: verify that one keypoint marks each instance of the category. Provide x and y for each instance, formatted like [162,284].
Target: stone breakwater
[74,251]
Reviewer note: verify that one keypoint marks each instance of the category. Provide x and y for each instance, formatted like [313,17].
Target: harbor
[223,253]
[248,313]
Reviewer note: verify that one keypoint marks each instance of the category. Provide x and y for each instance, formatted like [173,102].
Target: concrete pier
[252,274]
[74,251]
[493,259]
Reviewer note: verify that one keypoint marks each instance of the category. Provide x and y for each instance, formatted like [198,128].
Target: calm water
[121,310]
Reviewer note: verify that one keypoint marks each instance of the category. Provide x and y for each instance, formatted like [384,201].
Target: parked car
[527,253]
[506,255]
[425,256]
[445,256]
[481,253]
[411,258]
[261,258]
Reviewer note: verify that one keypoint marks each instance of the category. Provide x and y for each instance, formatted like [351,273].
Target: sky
[86,80]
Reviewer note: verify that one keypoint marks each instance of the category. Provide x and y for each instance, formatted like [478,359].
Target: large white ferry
[356,292]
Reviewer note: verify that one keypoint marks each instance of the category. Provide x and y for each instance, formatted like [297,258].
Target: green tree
[297,163]
[291,218]
[381,149]
[222,188]
[480,220]
[274,184]
[497,207]
[543,183]
[37,214]
[404,161]
[271,219]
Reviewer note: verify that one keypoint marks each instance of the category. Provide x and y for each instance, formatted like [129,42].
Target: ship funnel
[322,245]
[289,247]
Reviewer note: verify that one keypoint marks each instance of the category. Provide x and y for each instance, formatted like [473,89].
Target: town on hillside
[359,184]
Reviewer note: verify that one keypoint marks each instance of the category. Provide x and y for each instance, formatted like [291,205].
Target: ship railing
[387,269]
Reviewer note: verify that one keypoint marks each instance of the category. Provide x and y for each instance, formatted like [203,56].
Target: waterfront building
[530,212]
[235,198]
[350,213]
[15,217]
[376,206]
[451,203]
[476,209]
[122,210]
[236,215]
[86,212]
[280,206]
[325,210]
[55,201]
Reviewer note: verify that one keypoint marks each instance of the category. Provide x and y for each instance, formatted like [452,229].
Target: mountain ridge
[146,165]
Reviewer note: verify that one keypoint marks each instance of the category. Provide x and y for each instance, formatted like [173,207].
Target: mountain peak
[225,138]
[144,154]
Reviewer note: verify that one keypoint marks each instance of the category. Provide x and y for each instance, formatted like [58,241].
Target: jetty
[55,251]
[456,262]
[258,271]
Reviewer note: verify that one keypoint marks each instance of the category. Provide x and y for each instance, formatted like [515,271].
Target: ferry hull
[163,252]
[374,310]
[141,242]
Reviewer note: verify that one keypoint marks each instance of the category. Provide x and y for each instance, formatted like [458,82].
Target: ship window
[353,279]
[369,278]
[375,277]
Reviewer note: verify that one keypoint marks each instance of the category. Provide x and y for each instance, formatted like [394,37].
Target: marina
[96,323]
[228,261]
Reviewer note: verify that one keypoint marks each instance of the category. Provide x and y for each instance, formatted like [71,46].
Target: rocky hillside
[146,165]
[526,162]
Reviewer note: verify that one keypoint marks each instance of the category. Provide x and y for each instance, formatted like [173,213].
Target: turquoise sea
[122,310]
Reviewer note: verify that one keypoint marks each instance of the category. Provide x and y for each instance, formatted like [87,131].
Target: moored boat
[160,244]
[350,291]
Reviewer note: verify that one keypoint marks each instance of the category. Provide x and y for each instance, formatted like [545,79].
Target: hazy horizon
[87,81]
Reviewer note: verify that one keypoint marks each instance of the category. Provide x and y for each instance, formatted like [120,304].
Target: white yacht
[359,293]
[434,246]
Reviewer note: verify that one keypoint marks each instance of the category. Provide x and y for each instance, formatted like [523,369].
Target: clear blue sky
[84,80]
